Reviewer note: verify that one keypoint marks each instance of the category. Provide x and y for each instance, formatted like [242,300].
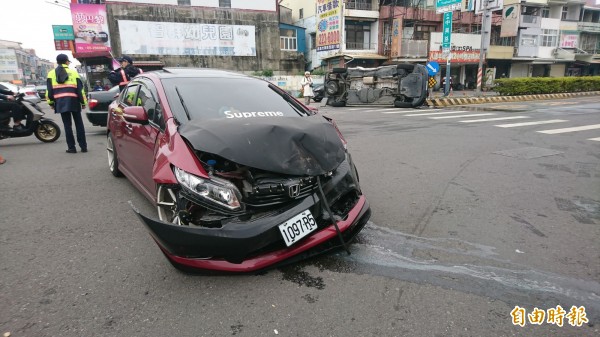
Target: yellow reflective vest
[68,96]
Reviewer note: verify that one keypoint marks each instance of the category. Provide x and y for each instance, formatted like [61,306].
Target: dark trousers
[66,118]
[10,109]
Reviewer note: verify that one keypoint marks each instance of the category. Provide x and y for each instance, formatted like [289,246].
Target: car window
[128,97]
[146,100]
[227,98]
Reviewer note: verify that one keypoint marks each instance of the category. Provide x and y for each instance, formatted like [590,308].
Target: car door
[118,125]
[140,138]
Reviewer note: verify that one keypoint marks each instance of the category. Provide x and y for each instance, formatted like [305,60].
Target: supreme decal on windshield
[251,114]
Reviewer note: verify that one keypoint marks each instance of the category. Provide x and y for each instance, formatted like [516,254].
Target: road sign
[63,33]
[433,68]
[431,82]
[447,30]
[443,6]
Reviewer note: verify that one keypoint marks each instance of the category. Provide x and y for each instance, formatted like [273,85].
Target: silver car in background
[31,94]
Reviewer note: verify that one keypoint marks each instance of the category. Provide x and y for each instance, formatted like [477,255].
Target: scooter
[43,128]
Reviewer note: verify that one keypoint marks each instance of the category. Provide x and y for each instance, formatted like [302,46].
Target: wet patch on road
[459,265]
[530,152]
[528,225]
[584,210]
[294,273]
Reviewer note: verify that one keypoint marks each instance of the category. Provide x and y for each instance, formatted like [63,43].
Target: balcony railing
[360,5]
[588,27]
[414,48]
[530,21]
[361,46]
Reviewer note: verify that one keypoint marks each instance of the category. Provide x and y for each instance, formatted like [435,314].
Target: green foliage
[546,85]
[257,73]
[267,73]
[319,72]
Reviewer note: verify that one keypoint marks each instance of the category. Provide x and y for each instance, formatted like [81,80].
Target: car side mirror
[135,114]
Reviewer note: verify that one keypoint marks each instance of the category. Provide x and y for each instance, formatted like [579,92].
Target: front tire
[113,162]
[167,205]
[47,131]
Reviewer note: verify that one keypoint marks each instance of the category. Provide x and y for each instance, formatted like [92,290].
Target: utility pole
[482,48]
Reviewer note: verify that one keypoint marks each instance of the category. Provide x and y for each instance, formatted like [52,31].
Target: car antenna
[187,112]
[337,229]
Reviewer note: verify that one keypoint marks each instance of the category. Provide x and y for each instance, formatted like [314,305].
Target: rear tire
[338,104]
[113,162]
[47,131]
[402,105]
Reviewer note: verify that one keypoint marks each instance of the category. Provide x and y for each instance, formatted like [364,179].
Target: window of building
[301,13]
[565,10]
[225,3]
[288,39]
[545,12]
[549,38]
[358,35]
[528,40]
[313,40]
[183,2]
[364,5]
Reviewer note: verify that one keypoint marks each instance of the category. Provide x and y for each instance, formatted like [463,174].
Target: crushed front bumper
[255,244]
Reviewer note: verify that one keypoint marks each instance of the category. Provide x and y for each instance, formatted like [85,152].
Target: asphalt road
[470,220]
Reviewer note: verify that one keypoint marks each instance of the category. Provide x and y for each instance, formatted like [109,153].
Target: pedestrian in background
[307,84]
[2,160]
[65,94]
[122,76]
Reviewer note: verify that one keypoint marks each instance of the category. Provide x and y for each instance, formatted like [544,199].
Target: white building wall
[262,5]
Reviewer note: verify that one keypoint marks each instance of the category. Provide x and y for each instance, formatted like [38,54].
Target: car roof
[177,72]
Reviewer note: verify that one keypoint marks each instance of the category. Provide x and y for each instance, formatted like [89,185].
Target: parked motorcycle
[319,93]
[43,128]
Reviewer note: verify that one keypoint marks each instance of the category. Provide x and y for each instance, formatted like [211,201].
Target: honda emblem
[294,190]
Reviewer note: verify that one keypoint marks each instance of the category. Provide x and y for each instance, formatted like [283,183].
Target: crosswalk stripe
[436,113]
[389,111]
[514,125]
[595,139]
[463,116]
[493,119]
[574,129]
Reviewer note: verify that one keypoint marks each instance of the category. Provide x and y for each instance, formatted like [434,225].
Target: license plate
[297,227]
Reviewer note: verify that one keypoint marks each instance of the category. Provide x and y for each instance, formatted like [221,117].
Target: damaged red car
[243,176]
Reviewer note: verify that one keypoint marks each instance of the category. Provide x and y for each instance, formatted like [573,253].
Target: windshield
[227,98]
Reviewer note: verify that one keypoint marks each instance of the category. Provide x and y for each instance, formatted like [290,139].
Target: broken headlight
[214,190]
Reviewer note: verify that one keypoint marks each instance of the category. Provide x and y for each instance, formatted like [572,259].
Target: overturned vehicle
[403,85]
[241,182]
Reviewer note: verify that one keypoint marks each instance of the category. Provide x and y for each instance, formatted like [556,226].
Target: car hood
[287,145]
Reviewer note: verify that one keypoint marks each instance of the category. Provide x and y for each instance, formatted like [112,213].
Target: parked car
[41,90]
[241,182]
[403,85]
[30,94]
[98,102]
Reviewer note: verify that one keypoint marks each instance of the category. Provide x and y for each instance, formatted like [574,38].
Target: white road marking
[595,139]
[574,129]
[514,125]
[493,119]
[463,116]
[437,113]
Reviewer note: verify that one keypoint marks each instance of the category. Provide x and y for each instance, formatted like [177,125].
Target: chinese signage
[458,56]
[64,45]
[510,20]
[328,24]
[396,25]
[8,62]
[558,316]
[447,30]
[492,5]
[443,6]
[174,38]
[90,28]
[63,32]
[569,39]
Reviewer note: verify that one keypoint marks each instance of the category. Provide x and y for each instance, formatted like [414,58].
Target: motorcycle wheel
[47,131]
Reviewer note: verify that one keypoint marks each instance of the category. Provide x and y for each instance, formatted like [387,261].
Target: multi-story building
[356,29]
[588,40]
[19,65]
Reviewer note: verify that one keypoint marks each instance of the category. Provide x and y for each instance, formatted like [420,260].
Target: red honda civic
[243,176]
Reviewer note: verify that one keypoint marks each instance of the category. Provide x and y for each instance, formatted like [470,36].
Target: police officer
[67,97]
[122,76]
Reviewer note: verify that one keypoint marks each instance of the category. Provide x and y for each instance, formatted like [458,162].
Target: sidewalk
[465,97]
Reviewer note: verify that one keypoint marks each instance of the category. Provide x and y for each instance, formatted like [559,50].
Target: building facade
[21,66]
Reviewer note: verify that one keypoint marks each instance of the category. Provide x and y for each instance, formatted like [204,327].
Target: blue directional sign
[433,68]
[447,31]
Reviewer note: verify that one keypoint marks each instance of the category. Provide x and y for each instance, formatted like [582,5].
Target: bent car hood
[287,145]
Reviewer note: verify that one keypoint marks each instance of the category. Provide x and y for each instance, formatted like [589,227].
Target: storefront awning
[357,56]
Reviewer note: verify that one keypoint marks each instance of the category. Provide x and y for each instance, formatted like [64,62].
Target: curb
[444,102]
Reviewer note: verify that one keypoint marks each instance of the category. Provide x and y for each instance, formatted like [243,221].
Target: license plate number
[297,227]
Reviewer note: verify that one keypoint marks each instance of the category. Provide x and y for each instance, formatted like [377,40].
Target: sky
[30,22]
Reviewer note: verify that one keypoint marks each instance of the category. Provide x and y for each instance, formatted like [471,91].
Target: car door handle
[129,127]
